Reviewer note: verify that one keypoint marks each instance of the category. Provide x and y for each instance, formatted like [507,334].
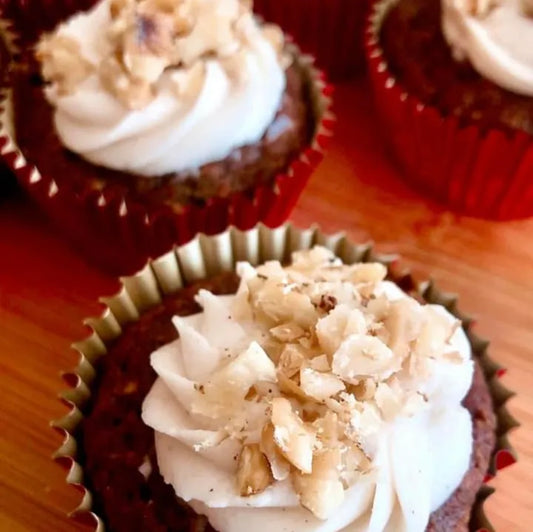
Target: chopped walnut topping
[287,332]
[327,302]
[318,385]
[253,471]
[321,491]
[402,324]
[291,360]
[293,437]
[279,466]
[147,38]
[290,388]
[364,390]
[63,63]
[324,378]
[320,363]
[340,323]
[136,92]
[361,356]
[372,272]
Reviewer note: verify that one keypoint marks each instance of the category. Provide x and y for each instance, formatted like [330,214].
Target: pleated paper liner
[207,256]
[331,30]
[119,233]
[488,175]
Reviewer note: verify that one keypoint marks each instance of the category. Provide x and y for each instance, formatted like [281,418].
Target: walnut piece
[337,325]
[319,385]
[279,466]
[287,332]
[253,471]
[321,491]
[293,438]
[325,376]
[63,63]
[361,356]
[134,93]
[146,38]
[291,360]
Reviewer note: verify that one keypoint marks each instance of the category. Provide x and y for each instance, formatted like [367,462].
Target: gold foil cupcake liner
[206,256]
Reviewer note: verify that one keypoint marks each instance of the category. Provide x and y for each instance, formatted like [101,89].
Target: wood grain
[46,290]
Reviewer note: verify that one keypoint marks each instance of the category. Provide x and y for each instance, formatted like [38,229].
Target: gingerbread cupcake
[454,87]
[312,396]
[185,115]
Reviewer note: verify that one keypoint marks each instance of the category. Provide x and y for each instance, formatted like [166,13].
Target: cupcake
[164,118]
[312,396]
[331,30]
[454,87]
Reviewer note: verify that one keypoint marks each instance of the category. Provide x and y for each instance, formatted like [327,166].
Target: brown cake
[418,55]
[118,448]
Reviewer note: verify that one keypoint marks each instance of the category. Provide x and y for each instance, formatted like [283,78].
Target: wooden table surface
[46,290]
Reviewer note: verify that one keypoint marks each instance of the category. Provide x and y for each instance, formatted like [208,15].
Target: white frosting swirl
[418,459]
[199,114]
[499,45]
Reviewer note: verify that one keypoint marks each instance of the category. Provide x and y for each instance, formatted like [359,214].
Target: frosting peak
[162,86]
[496,36]
[315,396]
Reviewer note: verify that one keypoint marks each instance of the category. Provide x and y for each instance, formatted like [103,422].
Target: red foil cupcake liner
[483,174]
[118,233]
[206,256]
[330,30]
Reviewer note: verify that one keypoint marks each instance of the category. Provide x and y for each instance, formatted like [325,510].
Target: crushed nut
[402,324]
[62,63]
[279,466]
[318,385]
[364,390]
[321,491]
[148,38]
[320,363]
[337,325]
[287,332]
[327,302]
[293,438]
[253,471]
[371,272]
[290,388]
[362,356]
[135,93]
[291,360]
